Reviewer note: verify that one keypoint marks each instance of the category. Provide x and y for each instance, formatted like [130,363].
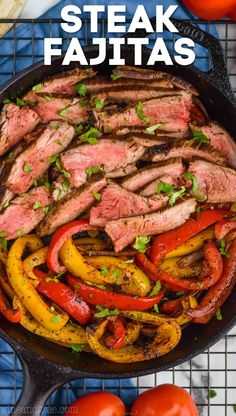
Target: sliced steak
[187,150]
[124,231]
[163,135]
[24,213]
[61,108]
[114,157]
[72,206]
[174,111]
[15,123]
[217,183]
[117,203]
[173,168]
[152,187]
[34,160]
[138,73]
[103,84]
[142,93]
[221,140]
[65,82]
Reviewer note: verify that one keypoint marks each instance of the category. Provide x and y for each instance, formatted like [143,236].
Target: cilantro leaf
[139,112]
[164,187]
[81,89]
[77,347]
[198,135]
[47,184]
[37,87]
[37,205]
[200,197]
[79,128]
[20,232]
[151,129]
[96,195]
[156,308]
[56,319]
[176,195]
[20,102]
[104,271]
[63,112]
[115,77]
[27,168]
[218,315]
[103,312]
[189,175]
[90,136]
[117,273]
[98,104]
[222,249]
[141,243]
[93,170]
[156,289]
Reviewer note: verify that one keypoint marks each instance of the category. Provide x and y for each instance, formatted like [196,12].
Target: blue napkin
[24,47]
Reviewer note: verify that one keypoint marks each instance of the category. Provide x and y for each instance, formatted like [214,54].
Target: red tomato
[97,404]
[232,13]
[164,400]
[211,9]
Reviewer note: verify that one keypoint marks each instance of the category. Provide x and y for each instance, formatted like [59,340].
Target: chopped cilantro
[164,187]
[115,77]
[59,142]
[117,273]
[98,104]
[105,312]
[6,203]
[55,159]
[137,315]
[151,129]
[218,315]
[35,183]
[81,89]
[180,293]
[20,102]
[156,289]
[141,243]
[91,171]
[200,197]
[37,87]
[189,175]
[46,209]
[156,308]
[222,249]
[10,156]
[90,136]
[198,135]
[212,394]
[3,241]
[77,347]
[63,112]
[139,112]
[47,184]
[65,185]
[56,319]
[52,309]
[7,101]
[27,168]
[20,232]
[198,210]
[48,98]
[37,205]
[234,408]
[52,279]
[176,195]
[79,128]
[104,271]
[96,195]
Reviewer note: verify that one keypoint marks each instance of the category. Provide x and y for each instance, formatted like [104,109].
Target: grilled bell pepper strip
[172,306]
[25,290]
[108,299]
[70,334]
[35,259]
[167,337]
[5,284]
[65,297]
[223,227]
[132,279]
[193,244]
[117,328]
[132,332]
[59,238]
[90,244]
[217,294]
[211,271]
[6,310]
[3,255]
[171,266]
[170,240]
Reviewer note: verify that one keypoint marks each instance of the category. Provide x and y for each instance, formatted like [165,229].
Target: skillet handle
[218,74]
[40,380]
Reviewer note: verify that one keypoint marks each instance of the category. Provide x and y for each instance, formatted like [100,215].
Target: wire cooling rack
[210,377]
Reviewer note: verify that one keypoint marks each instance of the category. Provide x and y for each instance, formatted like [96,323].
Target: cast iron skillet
[46,366]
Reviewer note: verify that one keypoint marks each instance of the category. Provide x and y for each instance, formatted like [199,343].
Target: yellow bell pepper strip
[171,266]
[26,291]
[113,270]
[167,337]
[60,237]
[90,244]
[233,207]
[132,332]
[5,284]
[69,334]
[193,244]
[133,280]
[35,259]
[3,255]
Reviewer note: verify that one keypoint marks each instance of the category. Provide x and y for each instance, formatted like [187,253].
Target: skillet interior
[196,338]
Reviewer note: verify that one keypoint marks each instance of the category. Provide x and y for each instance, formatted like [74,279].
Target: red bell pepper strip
[223,227]
[117,339]
[65,297]
[170,240]
[59,238]
[10,314]
[111,300]
[218,293]
[172,306]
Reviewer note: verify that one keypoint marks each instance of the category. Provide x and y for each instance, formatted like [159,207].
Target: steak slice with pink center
[24,213]
[124,231]
[15,123]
